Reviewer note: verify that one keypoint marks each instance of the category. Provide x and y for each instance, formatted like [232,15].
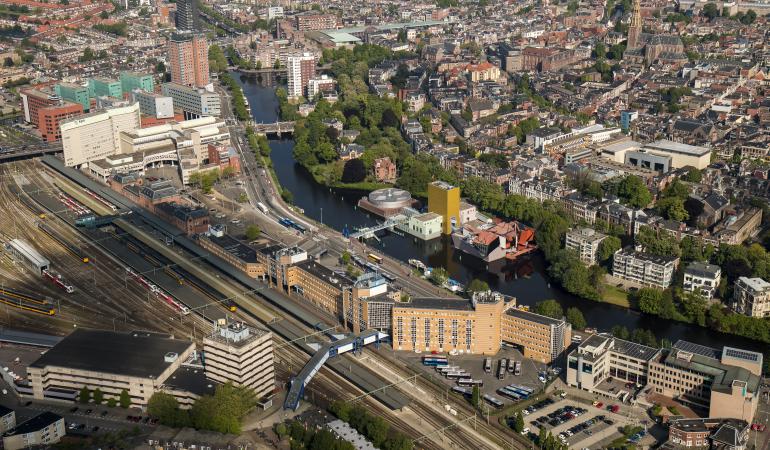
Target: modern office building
[725,383]
[626,118]
[643,268]
[97,135]
[751,297]
[41,431]
[186,15]
[194,102]
[134,80]
[75,93]
[242,355]
[188,56]
[138,362]
[51,117]
[540,337]
[299,70]
[602,356]
[702,278]
[152,104]
[104,87]
[444,200]
[585,243]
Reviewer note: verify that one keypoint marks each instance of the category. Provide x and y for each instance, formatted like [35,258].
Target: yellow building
[444,200]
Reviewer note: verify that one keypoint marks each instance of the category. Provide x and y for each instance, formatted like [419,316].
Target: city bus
[470,382]
[501,369]
[374,258]
[494,401]
[517,368]
[488,365]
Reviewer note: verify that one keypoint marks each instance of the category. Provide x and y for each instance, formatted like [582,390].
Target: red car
[758,427]
[614,408]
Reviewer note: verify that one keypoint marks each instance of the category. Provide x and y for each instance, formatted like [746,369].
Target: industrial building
[242,355]
[24,253]
[444,200]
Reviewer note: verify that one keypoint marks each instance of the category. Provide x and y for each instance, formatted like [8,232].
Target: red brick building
[544,59]
[385,170]
[313,21]
[224,157]
[50,117]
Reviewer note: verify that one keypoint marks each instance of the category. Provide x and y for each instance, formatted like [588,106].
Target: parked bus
[517,368]
[374,258]
[434,362]
[509,393]
[447,368]
[502,368]
[462,390]
[262,207]
[488,365]
[470,382]
[457,375]
[494,401]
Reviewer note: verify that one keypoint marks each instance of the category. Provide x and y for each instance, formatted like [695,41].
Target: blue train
[288,223]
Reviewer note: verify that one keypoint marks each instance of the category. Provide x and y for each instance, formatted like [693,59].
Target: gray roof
[34,424]
[526,315]
[700,269]
[437,303]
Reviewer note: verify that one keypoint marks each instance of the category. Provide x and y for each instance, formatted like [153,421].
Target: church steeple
[635,27]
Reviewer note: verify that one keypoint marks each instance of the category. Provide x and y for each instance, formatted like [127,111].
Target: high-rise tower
[186,15]
[188,55]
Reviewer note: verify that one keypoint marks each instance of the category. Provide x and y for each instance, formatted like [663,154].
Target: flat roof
[533,317]
[136,354]
[677,147]
[437,303]
[28,338]
[36,423]
[235,247]
[657,259]
[634,350]
[191,379]
[702,269]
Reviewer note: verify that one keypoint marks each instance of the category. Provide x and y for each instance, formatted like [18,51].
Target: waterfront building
[425,226]
[585,243]
[751,297]
[725,383]
[644,268]
[134,80]
[540,337]
[188,56]
[444,200]
[97,135]
[601,356]
[702,278]
[242,355]
[300,69]
[194,102]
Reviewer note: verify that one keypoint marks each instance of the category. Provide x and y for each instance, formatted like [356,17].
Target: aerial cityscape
[397,225]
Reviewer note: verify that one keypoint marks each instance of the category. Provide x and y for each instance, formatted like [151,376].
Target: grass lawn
[615,296]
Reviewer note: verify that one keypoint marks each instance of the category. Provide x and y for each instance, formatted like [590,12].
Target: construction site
[111,264]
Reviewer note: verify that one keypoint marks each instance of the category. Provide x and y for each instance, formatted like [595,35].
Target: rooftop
[655,259]
[532,317]
[36,423]
[235,247]
[677,147]
[755,284]
[437,303]
[190,379]
[700,269]
[137,354]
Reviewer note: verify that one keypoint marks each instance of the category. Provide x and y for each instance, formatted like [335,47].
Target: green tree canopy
[550,308]
[575,318]
[633,192]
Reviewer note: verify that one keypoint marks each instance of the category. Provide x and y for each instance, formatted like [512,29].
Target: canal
[525,280]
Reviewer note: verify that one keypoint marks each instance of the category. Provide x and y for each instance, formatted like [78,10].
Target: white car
[524,431]
[525,412]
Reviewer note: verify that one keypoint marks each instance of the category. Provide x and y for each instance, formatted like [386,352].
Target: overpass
[276,128]
[28,151]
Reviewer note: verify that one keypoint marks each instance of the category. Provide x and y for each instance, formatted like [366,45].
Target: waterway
[526,280]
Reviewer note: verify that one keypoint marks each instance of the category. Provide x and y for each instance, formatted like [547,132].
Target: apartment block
[97,135]
[585,242]
[134,80]
[603,356]
[723,382]
[310,21]
[643,268]
[194,102]
[542,338]
[242,355]
[702,278]
[751,297]
[42,430]
[188,56]
[300,69]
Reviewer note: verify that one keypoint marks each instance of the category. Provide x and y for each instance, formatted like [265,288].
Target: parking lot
[474,365]
[576,424]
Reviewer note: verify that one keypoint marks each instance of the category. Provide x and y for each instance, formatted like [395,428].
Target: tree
[477,285]
[163,407]
[633,192]
[600,51]
[85,395]
[575,318]
[475,397]
[672,208]
[112,402]
[287,196]
[518,422]
[125,399]
[98,396]
[160,67]
[607,247]
[104,15]
[650,300]
[550,308]
[439,276]
[354,171]
[280,430]
[252,232]
[710,10]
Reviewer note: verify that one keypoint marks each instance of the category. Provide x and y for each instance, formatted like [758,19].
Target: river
[525,280]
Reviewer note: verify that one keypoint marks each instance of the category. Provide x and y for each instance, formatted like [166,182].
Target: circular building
[386,202]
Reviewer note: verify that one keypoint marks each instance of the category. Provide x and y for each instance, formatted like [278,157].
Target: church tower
[635,29]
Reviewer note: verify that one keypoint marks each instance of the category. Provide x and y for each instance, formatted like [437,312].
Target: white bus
[262,207]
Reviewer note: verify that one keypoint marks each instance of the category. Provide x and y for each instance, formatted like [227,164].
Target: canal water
[526,279]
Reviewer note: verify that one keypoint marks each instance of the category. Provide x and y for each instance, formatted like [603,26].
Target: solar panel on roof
[741,354]
[703,350]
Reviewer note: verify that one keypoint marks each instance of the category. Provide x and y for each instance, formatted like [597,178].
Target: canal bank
[525,279]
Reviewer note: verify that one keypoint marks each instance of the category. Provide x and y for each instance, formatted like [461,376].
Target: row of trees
[97,396]
[221,412]
[373,427]
[239,103]
[552,308]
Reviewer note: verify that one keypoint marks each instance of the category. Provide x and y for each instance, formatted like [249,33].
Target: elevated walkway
[354,343]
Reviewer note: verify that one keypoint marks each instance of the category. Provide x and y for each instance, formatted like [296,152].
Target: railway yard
[129,274]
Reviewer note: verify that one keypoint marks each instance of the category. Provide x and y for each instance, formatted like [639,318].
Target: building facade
[40,431]
[444,200]
[188,55]
[751,297]
[702,278]
[194,102]
[643,268]
[599,357]
[133,80]
[96,135]
[299,70]
[585,242]
[541,338]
